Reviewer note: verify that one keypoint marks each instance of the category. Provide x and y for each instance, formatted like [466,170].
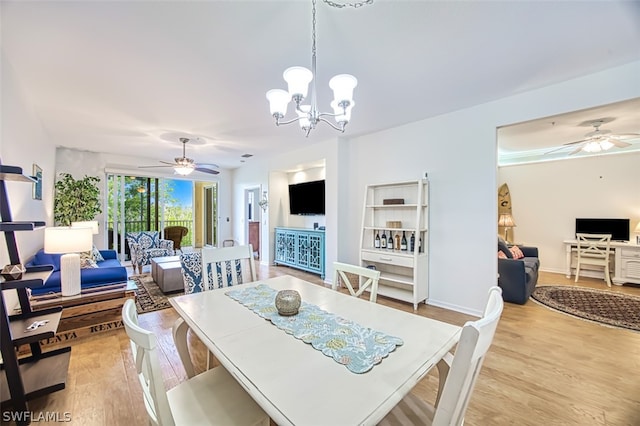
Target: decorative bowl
[288,302]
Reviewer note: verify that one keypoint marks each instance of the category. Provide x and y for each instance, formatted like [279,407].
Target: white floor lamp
[69,241]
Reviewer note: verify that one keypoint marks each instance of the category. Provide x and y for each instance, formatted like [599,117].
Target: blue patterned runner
[358,348]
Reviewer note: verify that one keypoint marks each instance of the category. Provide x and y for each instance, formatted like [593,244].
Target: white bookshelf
[404,274]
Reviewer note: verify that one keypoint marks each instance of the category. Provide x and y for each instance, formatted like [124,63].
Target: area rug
[600,306]
[149,297]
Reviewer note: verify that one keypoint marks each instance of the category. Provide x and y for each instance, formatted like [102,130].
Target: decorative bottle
[376,242]
[413,241]
[383,240]
[390,240]
[403,242]
[396,244]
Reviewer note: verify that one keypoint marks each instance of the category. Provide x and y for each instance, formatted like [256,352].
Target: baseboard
[456,308]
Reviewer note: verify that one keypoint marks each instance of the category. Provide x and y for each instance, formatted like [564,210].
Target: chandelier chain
[313,21]
[354,5]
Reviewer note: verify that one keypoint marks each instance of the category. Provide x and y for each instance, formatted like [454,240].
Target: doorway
[210,215]
[253,217]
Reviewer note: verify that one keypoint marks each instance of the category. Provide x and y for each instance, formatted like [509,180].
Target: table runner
[357,347]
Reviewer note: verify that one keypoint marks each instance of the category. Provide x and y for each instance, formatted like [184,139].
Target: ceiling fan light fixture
[184,169]
[606,144]
[592,147]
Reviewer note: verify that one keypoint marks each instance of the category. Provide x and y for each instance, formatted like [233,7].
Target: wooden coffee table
[94,310]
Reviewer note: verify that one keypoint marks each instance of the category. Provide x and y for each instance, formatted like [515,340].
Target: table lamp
[506,221]
[70,242]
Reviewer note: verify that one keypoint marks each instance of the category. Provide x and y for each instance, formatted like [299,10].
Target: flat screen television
[307,198]
[618,228]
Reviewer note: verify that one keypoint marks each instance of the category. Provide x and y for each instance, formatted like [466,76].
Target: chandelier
[298,79]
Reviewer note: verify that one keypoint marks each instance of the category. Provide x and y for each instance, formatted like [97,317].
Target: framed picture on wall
[37,185]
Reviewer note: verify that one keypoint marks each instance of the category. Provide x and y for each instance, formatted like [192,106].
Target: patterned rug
[600,306]
[149,297]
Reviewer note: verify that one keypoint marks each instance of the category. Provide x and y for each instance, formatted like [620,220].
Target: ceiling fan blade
[204,170]
[556,149]
[619,143]
[575,151]
[166,162]
[151,167]
[208,165]
[626,135]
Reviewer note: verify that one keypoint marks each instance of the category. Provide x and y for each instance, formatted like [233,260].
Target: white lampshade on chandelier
[298,79]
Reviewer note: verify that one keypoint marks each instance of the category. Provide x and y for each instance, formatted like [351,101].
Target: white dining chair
[220,267]
[457,374]
[211,398]
[229,266]
[367,279]
[594,249]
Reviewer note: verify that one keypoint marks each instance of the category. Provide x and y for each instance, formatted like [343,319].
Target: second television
[307,198]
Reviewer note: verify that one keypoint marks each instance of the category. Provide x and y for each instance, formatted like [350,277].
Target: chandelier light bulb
[278,101]
[342,86]
[342,116]
[303,117]
[298,79]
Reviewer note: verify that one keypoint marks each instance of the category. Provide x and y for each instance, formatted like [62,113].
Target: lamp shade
[506,220]
[342,86]
[298,79]
[64,239]
[93,224]
[278,101]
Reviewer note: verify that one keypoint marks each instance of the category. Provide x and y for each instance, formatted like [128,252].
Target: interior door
[210,216]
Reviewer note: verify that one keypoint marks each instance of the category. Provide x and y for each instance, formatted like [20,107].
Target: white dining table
[296,384]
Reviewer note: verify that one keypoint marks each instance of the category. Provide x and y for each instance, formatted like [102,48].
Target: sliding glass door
[138,203]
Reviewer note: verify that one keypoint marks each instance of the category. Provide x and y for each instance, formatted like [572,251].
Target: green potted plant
[76,200]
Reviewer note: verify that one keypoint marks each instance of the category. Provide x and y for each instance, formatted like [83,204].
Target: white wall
[548,197]
[81,163]
[24,142]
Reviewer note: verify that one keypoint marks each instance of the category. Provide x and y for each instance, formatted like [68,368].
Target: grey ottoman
[163,259]
[169,277]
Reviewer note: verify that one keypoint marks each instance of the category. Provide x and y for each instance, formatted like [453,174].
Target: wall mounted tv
[307,198]
[618,228]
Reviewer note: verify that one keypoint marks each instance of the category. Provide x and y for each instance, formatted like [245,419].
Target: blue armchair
[518,277]
[146,245]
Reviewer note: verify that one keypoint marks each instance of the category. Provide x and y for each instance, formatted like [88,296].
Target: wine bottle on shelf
[396,244]
[390,240]
[403,242]
[383,240]
[420,245]
[376,242]
[413,241]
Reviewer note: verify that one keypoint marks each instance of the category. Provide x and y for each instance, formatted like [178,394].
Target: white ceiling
[131,77]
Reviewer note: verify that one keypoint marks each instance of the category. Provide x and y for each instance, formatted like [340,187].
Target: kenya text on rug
[149,297]
[601,306]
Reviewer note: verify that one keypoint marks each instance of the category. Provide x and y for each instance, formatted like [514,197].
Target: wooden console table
[626,261]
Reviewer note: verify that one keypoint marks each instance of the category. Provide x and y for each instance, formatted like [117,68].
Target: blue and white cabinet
[300,248]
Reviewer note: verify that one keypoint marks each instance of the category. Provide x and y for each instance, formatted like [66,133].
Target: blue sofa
[109,271]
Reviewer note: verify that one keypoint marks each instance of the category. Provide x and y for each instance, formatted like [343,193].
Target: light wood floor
[544,368]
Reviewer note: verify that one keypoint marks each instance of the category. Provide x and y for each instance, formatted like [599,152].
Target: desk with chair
[297,384]
[626,257]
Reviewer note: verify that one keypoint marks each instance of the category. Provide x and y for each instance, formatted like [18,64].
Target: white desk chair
[457,374]
[594,249]
[211,398]
[372,276]
[229,266]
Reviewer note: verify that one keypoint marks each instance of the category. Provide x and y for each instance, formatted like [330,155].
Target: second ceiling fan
[598,140]
[184,166]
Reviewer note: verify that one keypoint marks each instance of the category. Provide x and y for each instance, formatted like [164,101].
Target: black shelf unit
[22,379]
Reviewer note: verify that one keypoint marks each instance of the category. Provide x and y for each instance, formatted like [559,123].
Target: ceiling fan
[184,166]
[598,140]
